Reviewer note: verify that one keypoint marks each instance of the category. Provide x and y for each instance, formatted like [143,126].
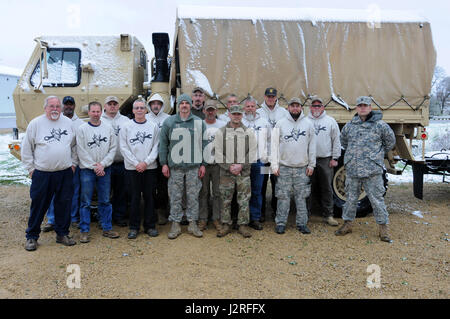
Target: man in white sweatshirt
[328,151]
[262,129]
[48,153]
[272,112]
[294,165]
[156,114]
[68,110]
[112,116]
[139,141]
[96,148]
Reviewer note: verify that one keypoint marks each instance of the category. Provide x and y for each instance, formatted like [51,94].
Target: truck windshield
[63,68]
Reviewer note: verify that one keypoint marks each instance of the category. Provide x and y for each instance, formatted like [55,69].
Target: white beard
[54,115]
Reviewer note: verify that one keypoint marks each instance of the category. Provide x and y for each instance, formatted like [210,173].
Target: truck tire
[339,198]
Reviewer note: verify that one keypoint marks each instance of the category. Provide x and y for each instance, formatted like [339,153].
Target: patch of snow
[340,101]
[296,14]
[417,213]
[200,80]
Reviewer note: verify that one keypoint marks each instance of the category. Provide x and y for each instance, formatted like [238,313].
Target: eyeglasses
[315,105]
[139,107]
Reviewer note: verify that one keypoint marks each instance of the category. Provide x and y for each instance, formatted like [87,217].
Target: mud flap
[418,171]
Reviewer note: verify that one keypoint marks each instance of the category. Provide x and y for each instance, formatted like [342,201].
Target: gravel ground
[267,265]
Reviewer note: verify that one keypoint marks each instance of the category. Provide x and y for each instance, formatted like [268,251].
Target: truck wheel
[340,198]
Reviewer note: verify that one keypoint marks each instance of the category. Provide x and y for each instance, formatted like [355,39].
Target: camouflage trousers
[210,180]
[292,181]
[374,188]
[228,183]
[176,184]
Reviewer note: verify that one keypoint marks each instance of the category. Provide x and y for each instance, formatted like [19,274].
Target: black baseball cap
[68,99]
[271,92]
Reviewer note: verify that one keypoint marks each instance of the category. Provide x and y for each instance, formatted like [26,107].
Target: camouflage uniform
[177,180]
[292,181]
[366,143]
[230,182]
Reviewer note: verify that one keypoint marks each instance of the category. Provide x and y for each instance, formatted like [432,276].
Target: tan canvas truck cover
[335,54]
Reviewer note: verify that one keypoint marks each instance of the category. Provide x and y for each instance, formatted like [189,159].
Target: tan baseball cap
[111,98]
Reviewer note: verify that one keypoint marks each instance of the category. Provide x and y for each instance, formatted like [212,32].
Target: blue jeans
[75,213]
[89,180]
[256,199]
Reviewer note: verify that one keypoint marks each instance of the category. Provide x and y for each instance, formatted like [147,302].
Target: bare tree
[439,74]
[443,92]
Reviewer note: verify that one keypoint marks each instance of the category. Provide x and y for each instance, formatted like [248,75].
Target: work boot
[280,229]
[84,238]
[111,234]
[345,229]
[132,234]
[384,235]
[303,229]
[245,231]
[256,225]
[224,230]
[202,224]
[331,221]
[175,231]
[65,240]
[48,227]
[217,224]
[193,229]
[31,244]
[152,232]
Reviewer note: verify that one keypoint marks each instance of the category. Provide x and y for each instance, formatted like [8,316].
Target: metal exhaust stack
[160,82]
[161,43]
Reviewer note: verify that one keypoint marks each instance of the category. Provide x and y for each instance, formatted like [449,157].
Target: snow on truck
[333,53]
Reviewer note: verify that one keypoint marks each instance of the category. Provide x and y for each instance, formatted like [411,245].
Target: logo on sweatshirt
[295,135]
[116,130]
[272,122]
[55,135]
[318,128]
[140,137]
[97,140]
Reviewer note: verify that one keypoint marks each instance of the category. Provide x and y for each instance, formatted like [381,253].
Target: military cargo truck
[335,54]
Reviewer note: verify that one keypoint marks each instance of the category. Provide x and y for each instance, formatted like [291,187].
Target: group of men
[203,156]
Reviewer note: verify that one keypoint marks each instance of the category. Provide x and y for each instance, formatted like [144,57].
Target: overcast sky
[23,20]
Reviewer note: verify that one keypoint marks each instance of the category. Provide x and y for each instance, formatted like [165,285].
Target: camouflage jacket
[243,148]
[366,144]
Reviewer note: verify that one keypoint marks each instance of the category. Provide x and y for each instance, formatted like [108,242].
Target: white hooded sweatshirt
[262,130]
[272,116]
[48,145]
[96,144]
[159,118]
[297,143]
[117,124]
[328,141]
[139,143]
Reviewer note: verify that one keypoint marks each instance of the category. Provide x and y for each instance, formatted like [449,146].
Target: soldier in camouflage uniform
[235,150]
[366,139]
[181,156]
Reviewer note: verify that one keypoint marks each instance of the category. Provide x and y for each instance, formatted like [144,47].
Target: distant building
[8,81]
